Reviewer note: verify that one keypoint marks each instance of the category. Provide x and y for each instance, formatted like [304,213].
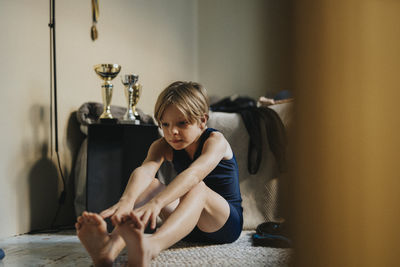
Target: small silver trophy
[133,91]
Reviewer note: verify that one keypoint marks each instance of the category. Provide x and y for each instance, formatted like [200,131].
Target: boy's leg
[102,247]
[92,231]
[200,206]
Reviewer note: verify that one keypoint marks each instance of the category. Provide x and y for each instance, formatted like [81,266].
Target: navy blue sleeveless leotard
[224,180]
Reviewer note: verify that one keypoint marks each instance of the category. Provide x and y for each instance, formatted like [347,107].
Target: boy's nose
[174,130]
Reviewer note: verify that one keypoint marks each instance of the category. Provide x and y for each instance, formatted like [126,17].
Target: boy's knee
[200,189]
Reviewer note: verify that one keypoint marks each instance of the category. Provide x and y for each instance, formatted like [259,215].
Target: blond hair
[189,97]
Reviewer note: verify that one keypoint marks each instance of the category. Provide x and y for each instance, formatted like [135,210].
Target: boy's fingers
[145,218]
[108,212]
[137,214]
[115,219]
[153,222]
[136,220]
[105,213]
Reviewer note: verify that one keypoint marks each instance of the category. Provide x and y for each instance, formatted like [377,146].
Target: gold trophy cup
[133,91]
[107,72]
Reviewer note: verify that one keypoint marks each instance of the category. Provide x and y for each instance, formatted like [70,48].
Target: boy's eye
[182,123]
[164,124]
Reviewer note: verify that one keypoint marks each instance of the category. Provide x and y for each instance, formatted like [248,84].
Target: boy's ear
[203,120]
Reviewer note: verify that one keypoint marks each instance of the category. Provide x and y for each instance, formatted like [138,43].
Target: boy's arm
[214,150]
[139,180]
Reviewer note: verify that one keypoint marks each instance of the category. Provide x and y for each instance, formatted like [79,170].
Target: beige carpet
[64,249]
[239,253]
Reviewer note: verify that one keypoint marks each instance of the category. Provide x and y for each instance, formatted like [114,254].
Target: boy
[202,203]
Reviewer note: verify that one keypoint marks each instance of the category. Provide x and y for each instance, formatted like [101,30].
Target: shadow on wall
[43,186]
[43,175]
[45,182]
[74,138]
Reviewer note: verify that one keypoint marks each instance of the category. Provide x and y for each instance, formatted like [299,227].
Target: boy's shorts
[228,233]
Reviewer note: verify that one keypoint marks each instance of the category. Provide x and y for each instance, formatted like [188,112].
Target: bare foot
[140,250]
[92,231]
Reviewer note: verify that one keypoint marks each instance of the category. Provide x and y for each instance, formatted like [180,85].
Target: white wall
[24,107]
[230,46]
[244,46]
[155,39]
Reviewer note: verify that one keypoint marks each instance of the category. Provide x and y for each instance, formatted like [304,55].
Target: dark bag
[252,117]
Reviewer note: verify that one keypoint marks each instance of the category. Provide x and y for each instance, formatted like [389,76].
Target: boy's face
[178,132]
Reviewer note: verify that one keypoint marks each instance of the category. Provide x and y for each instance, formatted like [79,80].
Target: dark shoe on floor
[271,228]
[271,234]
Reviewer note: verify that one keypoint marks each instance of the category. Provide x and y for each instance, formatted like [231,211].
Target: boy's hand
[117,212]
[148,213]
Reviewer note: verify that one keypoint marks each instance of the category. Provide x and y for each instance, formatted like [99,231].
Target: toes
[86,219]
[85,216]
[96,218]
[90,218]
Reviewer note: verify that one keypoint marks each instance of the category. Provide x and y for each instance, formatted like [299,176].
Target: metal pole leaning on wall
[53,70]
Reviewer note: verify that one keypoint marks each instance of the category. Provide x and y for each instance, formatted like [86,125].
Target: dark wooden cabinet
[114,151]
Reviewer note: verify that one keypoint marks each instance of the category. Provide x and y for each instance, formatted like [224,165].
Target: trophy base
[108,121]
[135,122]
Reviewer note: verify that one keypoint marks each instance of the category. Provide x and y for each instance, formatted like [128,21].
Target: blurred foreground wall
[345,178]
